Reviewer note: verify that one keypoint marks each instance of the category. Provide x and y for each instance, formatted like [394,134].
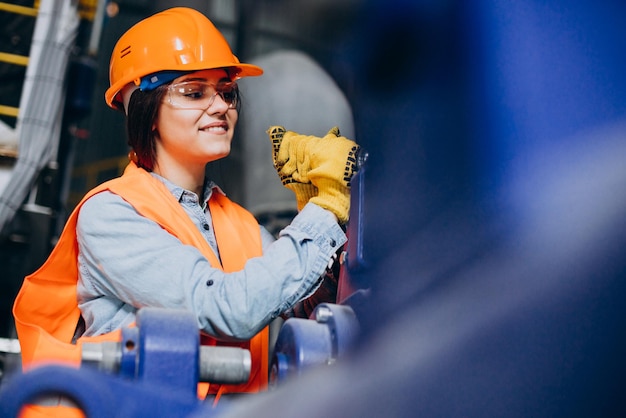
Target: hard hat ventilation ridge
[125,51]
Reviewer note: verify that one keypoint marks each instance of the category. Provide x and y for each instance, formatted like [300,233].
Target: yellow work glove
[304,191]
[328,163]
[333,161]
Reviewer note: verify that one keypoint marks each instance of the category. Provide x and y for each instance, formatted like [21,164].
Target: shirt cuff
[321,226]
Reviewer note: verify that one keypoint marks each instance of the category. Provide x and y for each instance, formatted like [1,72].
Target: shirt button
[333,242]
[209,282]
[206,226]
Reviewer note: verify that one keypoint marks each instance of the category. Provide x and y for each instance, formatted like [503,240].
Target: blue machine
[153,371]
[320,340]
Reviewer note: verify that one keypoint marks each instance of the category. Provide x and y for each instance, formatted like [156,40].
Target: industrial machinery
[159,362]
[321,340]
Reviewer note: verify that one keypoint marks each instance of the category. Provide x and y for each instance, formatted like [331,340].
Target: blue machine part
[162,349]
[321,340]
[168,349]
[153,371]
[97,394]
[356,259]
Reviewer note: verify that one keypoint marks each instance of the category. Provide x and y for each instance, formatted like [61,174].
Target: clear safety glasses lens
[201,95]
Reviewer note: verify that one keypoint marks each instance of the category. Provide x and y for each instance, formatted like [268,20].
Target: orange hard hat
[177,39]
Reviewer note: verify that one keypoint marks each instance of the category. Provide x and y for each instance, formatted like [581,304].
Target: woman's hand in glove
[327,163]
[304,191]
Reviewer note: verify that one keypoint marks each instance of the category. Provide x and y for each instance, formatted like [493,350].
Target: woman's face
[187,131]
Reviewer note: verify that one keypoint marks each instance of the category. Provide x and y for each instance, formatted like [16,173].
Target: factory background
[91,145]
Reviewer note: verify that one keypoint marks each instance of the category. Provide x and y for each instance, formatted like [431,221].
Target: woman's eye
[193,91]
[228,95]
[194,94]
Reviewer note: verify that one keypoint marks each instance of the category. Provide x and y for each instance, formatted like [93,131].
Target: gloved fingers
[287,163]
[286,173]
[284,145]
[282,142]
[287,152]
[276,134]
[338,153]
[351,163]
[334,131]
[303,158]
[294,156]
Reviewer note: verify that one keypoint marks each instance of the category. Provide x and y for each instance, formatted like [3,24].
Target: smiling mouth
[215,129]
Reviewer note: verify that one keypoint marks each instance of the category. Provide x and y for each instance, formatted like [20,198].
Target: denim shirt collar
[186,196]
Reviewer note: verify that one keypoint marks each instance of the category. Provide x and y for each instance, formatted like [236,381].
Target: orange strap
[237,245]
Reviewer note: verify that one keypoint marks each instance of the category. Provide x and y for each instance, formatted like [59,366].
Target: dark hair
[143,110]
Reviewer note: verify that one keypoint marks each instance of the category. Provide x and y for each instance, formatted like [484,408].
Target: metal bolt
[323,314]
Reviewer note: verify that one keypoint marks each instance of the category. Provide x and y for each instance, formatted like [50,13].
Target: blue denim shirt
[127,261]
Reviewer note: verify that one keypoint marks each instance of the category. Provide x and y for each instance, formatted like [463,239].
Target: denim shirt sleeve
[127,261]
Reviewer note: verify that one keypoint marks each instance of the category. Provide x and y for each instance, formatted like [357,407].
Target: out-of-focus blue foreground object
[493,227]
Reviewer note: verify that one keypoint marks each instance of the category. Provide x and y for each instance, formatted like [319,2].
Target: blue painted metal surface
[157,375]
[168,344]
[99,395]
[321,340]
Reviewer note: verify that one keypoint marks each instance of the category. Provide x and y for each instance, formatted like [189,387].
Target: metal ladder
[7,150]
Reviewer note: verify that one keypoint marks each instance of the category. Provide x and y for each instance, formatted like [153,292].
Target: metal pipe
[223,365]
[228,365]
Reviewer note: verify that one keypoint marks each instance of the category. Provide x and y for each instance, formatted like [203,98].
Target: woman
[164,236]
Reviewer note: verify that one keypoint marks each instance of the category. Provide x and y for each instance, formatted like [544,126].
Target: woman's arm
[127,257]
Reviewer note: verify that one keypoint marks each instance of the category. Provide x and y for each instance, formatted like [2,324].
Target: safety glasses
[200,95]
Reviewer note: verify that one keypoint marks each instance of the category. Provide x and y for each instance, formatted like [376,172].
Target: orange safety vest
[46,310]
